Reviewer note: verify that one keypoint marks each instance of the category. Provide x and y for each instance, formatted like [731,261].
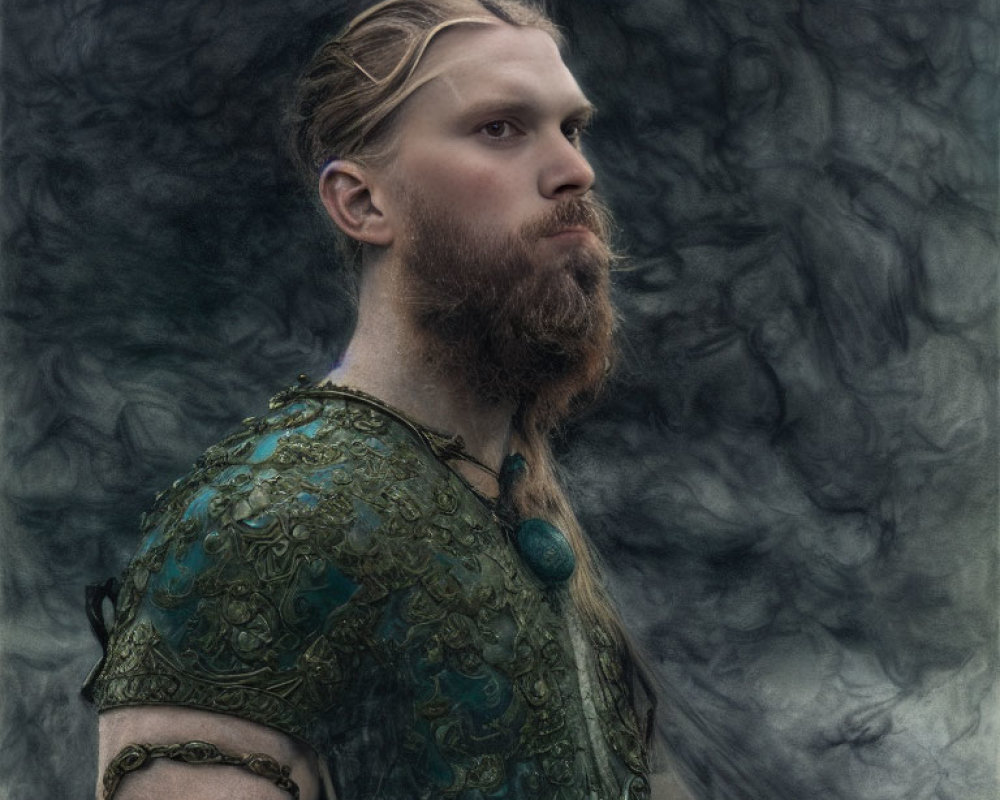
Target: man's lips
[571,219]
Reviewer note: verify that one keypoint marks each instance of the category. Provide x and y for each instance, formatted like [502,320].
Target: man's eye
[499,129]
[573,131]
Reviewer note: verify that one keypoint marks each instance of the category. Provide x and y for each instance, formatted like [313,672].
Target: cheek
[473,186]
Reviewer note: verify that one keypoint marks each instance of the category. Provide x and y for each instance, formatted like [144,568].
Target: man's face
[494,133]
[506,248]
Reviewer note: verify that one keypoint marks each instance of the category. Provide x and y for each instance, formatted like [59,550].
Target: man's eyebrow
[584,113]
[505,106]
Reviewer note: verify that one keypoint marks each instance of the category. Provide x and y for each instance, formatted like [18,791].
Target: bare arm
[169,780]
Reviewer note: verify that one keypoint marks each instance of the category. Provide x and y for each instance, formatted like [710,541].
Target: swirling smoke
[793,480]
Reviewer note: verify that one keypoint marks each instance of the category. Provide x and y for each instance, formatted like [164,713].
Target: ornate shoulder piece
[264,575]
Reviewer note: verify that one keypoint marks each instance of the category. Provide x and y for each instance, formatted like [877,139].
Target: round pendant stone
[545,550]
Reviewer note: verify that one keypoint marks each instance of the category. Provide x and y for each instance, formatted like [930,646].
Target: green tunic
[324,573]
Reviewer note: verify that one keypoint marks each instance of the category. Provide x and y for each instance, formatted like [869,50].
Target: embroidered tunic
[322,572]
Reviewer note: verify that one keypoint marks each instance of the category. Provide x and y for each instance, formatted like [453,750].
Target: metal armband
[136,756]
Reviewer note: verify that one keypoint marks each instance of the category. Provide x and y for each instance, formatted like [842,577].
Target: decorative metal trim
[134,757]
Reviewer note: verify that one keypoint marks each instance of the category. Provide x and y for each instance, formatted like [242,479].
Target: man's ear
[346,192]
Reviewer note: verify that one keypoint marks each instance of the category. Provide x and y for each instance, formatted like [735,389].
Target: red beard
[502,321]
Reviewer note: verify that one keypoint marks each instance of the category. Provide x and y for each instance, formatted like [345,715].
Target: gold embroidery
[323,573]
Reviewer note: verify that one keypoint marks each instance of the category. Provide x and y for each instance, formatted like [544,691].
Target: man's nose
[565,172]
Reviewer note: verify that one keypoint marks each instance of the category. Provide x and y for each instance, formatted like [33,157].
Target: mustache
[587,212]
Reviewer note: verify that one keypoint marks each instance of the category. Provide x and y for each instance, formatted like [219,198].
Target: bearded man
[378,589]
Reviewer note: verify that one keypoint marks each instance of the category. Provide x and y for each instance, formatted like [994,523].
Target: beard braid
[539,335]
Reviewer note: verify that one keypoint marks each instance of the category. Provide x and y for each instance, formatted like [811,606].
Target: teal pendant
[545,550]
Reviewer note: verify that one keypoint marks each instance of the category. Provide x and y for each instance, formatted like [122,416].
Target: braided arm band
[136,756]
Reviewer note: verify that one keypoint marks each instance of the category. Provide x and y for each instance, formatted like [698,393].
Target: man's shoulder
[329,497]
[281,551]
[311,446]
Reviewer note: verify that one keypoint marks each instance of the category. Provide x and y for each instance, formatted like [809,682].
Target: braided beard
[515,330]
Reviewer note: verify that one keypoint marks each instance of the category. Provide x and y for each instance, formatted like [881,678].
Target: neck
[389,358]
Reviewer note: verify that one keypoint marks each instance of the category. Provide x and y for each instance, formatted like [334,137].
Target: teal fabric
[323,573]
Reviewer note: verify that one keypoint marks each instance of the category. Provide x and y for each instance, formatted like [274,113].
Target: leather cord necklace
[542,546]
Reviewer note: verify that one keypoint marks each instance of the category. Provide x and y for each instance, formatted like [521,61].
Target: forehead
[472,65]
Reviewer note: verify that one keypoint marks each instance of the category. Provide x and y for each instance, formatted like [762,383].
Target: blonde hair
[540,494]
[349,94]
[344,107]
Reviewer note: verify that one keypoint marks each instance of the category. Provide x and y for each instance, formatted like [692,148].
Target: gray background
[793,480]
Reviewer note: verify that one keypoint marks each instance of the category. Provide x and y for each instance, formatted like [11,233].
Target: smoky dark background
[793,477]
